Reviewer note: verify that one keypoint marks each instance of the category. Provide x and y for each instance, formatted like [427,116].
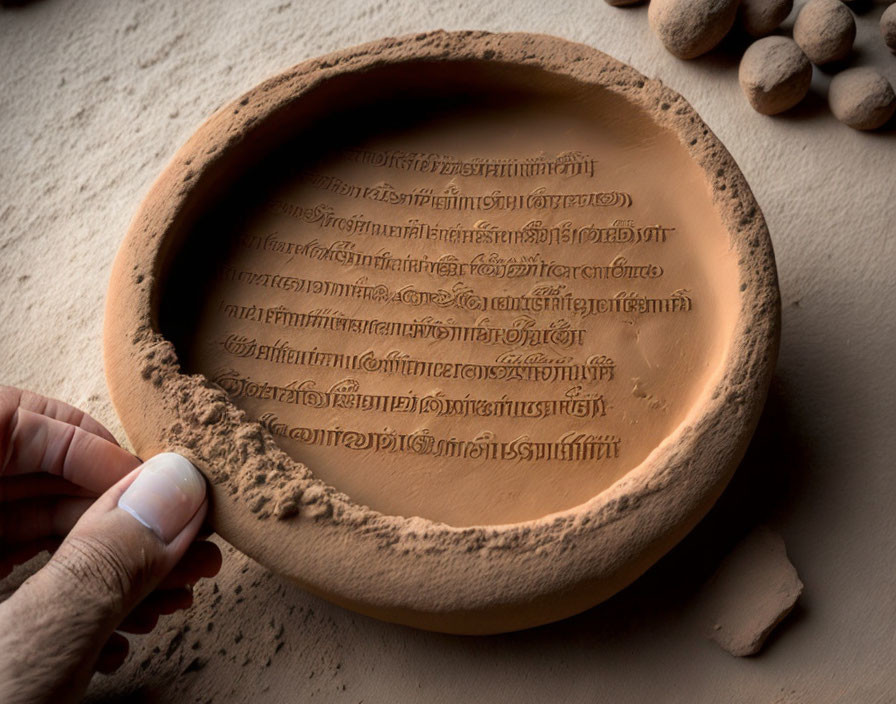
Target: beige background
[95,97]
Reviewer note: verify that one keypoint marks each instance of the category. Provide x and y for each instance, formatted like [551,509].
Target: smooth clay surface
[485,306]
[489,361]
[96,99]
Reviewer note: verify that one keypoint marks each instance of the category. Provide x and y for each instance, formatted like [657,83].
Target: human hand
[123,536]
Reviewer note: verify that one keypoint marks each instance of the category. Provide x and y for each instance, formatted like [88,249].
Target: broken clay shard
[753,590]
[689,28]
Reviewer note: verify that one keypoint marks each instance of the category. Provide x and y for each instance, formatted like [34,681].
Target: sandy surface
[95,99]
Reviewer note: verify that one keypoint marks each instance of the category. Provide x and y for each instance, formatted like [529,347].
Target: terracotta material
[888,27]
[366,520]
[825,30]
[689,28]
[862,98]
[754,589]
[762,17]
[774,74]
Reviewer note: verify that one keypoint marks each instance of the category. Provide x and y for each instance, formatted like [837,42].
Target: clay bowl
[465,330]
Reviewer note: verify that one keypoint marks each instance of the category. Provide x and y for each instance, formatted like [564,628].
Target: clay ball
[862,98]
[689,28]
[762,17]
[825,30]
[888,26]
[774,74]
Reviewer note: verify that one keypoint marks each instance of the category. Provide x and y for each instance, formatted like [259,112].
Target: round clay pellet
[689,28]
[888,26]
[762,17]
[825,30]
[862,98]
[774,74]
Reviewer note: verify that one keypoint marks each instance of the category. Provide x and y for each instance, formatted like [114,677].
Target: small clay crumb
[754,588]
[286,509]
[762,17]
[825,30]
[862,98]
[774,74]
[888,27]
[623,3]
[689,28]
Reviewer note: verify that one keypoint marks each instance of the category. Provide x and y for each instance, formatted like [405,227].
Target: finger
[31,519]
[161,602]
[20,554]
[39,443]
[202,559]
[53,408]
[137,531]
[114,557]
[30,486]
[113,654]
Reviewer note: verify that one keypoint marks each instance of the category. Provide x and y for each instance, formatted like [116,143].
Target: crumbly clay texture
[825,31]
[862,98]
[690,28]
[762,17]
[774,74]
[472,363]
[888,27]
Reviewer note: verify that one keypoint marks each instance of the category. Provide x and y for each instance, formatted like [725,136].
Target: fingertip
[168,495]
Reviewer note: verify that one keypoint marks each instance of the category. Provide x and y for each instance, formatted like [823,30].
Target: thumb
[133,535]
[116,554]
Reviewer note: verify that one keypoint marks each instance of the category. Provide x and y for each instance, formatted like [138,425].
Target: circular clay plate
[465,330]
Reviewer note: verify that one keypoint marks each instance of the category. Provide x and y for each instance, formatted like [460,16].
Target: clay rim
[477,579]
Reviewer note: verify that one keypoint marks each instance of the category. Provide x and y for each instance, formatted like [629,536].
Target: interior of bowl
[471,291]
